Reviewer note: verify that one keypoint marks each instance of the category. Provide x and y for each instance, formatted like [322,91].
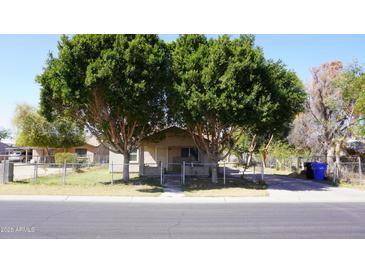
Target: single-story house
[92,150]
[170,148]
[3,151]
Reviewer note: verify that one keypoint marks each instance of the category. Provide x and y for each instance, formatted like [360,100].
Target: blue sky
[22,57]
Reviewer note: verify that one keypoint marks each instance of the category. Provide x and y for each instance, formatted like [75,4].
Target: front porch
[171,160]
[164,151]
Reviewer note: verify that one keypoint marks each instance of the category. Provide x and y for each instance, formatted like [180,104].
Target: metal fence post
[360,171]
[35,171]
[161,174]
[334,172]
[224,173]
[262,170]
[64,173]
[4,171]
[183,173]
[112,173]
[36,164]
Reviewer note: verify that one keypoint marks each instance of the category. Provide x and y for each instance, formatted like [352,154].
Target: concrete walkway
[172,187]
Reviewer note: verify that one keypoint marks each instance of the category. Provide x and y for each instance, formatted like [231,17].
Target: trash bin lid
[319,165]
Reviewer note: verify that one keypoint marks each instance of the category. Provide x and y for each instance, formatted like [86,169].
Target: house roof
[3,147]
[92,141]
[162,133]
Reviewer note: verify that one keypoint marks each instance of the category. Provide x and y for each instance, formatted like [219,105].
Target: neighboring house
[92,150]
[355,147]
[3,151]
[170,148]
[3,148]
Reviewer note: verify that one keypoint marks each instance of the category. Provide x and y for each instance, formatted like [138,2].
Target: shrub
[60,158]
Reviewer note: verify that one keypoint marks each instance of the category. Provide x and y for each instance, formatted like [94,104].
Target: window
[185,152]
[190,152]
[194,153]
[133,155]
[81,152]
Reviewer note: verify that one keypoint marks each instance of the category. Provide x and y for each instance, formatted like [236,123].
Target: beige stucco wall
[117,160]
[166,151]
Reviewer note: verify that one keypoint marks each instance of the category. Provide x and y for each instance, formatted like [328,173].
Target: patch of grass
[84,177]
[352,185]
[234,187]
[94,181]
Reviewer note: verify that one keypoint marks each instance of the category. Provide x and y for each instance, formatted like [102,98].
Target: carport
[28,151]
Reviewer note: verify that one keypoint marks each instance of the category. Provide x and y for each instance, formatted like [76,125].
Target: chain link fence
[94,159]
[349,172]
[348,169]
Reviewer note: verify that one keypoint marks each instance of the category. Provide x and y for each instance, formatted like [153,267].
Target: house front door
[174,156]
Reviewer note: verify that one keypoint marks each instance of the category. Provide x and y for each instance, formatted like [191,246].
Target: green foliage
[352,85]
[224,86]
[110,83]
[35,131]
[281,149]
[242,144]
[115,85]
[4,134]
[230,80]
[31,128]
[60,158]
[227,83]
[122,86]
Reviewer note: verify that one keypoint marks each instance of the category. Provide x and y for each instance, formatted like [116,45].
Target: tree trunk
[127,157]
[249,158]
[248,161]
[330,154]
[264,157]
[337,152]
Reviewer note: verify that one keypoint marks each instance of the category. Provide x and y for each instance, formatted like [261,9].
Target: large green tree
[4,133]
[113,84]
[352,85]
[34,130]
[334,110]
[224,86]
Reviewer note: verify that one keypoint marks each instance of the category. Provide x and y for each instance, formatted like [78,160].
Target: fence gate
[173,174]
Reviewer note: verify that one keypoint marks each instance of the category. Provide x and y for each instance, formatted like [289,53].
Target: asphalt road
[41,219]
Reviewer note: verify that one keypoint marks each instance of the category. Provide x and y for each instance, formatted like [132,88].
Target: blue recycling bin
[319,171]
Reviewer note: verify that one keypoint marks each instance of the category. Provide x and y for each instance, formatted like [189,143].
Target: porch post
[141,160]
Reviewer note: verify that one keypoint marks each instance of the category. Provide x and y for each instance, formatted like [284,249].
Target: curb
[176,200]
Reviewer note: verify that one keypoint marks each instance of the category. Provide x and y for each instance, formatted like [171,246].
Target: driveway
[286,188]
